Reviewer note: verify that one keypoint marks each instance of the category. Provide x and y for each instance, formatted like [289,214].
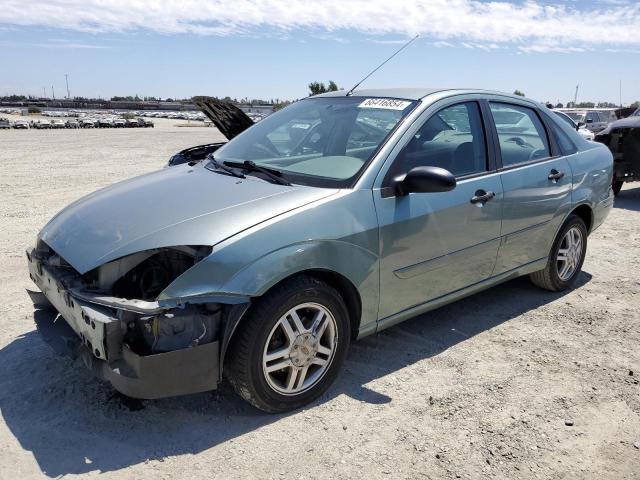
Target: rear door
[536,180]
[432,244]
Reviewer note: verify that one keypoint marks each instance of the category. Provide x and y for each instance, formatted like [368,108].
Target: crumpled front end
[145,348]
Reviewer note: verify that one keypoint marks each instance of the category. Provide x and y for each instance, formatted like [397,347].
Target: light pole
[66,79]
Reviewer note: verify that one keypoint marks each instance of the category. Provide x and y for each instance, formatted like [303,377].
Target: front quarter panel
[337,234]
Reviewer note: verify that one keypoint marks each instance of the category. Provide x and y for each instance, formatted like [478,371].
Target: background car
[57,123]
[20,125]
[5,124]
[144,123]
[104,122]
[623,139]
[41,124]
[581,129]
[592,119]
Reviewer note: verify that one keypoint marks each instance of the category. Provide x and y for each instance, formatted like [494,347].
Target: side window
[520,132]
[453,139]
[592,117]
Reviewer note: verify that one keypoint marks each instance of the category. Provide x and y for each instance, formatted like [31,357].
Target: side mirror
[580,124]
[425,180]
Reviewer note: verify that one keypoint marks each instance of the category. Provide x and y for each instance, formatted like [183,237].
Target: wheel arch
[342,284]
[585,212]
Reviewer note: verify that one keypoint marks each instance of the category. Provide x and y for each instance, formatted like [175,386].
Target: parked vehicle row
[56,123]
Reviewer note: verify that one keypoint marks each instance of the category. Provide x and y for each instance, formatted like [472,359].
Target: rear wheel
[566,257]
[290,347]
[616,185]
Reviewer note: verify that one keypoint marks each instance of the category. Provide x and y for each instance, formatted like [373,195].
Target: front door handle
[555,175]
[482,197]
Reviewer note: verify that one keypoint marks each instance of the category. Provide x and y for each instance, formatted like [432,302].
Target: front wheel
[566,257]
[290,347]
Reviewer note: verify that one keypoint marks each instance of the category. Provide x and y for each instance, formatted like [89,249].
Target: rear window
[521,134]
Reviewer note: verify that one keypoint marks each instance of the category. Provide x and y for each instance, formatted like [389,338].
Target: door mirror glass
[425,180]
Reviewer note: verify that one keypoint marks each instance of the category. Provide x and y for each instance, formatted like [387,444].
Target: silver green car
[332,219]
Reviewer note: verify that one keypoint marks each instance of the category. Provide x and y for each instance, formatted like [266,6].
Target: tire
[553,277]
[616,185]
[263,334]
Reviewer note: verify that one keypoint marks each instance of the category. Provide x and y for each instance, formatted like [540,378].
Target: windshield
[636,113]
[323,142]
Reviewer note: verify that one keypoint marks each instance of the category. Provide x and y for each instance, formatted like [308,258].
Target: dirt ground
[484,388]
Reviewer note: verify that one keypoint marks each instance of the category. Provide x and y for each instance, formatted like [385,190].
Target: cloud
[54,43]
[531,26]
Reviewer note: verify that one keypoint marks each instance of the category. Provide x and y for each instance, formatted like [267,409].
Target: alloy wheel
[300,348]
[569,254]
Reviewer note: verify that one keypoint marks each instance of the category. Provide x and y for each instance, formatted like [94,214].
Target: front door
[432,244]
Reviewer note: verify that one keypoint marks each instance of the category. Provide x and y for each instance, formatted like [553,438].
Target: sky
[272,49]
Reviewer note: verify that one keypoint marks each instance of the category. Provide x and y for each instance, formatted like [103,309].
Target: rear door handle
[482,197]
[555,175]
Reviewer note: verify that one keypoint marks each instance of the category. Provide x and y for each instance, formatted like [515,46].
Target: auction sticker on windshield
[388,103]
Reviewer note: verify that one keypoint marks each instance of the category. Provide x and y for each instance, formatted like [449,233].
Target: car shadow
[628,199]
[74,424]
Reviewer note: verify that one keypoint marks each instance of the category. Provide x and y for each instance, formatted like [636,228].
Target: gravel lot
[512,383]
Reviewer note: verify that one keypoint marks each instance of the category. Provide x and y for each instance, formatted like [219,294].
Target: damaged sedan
[343,214]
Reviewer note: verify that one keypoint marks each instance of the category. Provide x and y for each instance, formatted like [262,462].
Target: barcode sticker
[387,103]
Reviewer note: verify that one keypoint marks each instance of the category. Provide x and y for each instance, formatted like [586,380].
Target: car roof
[410,93]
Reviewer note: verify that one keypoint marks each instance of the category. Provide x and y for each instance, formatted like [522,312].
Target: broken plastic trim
[146,307]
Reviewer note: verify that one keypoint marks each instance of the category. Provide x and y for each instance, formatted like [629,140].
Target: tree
[635,104]
[317,88]
[559,105]
[280,105]
[519,93]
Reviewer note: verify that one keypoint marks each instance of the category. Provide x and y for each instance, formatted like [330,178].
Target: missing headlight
[143,275]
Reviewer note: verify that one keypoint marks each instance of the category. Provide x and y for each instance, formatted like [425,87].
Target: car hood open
[175,206]
[228,119]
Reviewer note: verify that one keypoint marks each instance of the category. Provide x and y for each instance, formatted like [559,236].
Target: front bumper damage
[102,328]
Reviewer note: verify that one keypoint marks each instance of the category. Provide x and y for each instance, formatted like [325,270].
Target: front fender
[353,262]
[338,234]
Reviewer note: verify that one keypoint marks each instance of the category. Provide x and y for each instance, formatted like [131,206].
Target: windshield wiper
[224,168]
[272,173]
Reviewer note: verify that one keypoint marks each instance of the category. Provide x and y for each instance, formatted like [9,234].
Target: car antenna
[378,67]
